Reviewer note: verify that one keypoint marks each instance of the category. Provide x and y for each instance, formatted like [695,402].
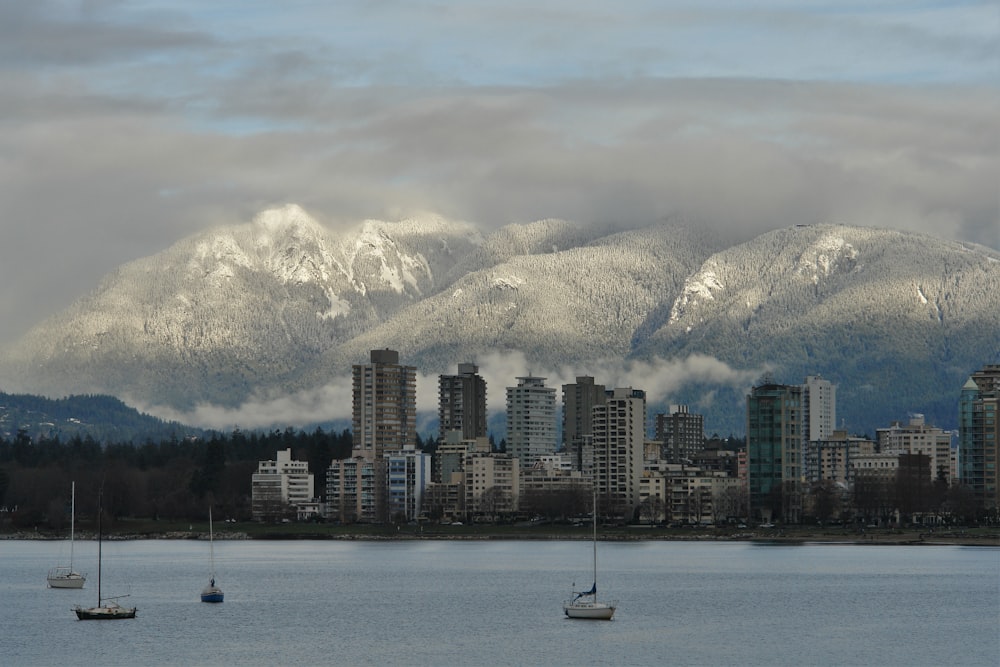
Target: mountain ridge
[282,305]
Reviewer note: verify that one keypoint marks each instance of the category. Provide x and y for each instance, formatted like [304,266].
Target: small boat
[107,609]
[585,604]
[64,576]
[211,593]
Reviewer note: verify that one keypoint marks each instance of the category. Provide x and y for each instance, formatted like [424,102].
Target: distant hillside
[105,419]
[264,311]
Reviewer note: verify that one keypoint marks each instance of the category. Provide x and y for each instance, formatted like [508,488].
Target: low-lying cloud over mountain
[258,324]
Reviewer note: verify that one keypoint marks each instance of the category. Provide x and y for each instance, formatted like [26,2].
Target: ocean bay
[442,602]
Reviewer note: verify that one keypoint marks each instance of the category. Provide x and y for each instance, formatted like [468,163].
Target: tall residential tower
[531,420]
[462,403]
[385,405]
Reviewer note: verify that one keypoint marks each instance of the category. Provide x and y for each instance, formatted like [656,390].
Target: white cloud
[659,378]
[127,126]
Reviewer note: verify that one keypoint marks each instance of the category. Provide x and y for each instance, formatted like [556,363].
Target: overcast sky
[126,126]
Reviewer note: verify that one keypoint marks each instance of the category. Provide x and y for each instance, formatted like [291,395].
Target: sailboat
[64,576]
[107,609]
[585,604]
[211,593]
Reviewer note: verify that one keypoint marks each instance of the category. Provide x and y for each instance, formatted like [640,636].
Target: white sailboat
[211,593]
[64,576]
[584,604]
[107,609]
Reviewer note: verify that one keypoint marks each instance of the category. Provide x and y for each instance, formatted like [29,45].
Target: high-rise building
[579,400]
[819,409]
[979,436]
[531,420]
[774,450]
[385,405]
[462,403]
[681,433]
[619,436]
[819,413]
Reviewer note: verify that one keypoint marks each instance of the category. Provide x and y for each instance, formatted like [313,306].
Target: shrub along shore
[138,529]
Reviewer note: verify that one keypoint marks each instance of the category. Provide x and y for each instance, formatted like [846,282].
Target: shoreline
[888,538]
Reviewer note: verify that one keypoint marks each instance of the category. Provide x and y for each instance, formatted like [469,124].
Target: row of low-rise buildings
[676,476]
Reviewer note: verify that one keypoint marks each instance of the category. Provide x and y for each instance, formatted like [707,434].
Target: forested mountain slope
[897,320]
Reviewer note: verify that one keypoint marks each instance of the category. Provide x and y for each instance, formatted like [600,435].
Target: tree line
[175,479]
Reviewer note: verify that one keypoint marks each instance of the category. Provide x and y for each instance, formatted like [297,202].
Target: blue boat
[211,593]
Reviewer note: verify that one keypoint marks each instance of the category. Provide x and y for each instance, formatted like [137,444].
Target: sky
[127,126]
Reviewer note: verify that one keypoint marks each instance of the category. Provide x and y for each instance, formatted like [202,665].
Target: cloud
[661,379]
[124,128]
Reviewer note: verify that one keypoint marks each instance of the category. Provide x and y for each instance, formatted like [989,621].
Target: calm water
[498,603]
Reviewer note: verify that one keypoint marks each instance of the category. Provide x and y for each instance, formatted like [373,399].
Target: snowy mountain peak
[281,305]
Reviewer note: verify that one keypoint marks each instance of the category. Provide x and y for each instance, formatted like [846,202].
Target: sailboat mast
[211,542]
[595,542]
[100,535]
[72,522]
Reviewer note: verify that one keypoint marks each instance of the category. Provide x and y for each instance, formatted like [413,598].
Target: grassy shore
[148,529]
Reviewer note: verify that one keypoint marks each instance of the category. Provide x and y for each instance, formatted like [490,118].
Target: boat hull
[106,613]
[212,594]
[66,580]
[595,611]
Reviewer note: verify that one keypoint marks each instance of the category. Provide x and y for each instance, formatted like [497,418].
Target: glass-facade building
[978,435]
[774,448]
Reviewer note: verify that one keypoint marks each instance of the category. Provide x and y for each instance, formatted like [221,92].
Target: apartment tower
[462,403]
[531,420]
[619,437]
[385,405]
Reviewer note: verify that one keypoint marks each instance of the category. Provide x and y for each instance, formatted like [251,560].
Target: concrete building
[682,434]
[774,450]
[979,436]
[385,405]
[450,455]
[819,408]
[462,403]
[280,487]
[831,459]
[492,485]
[579,400]
[918,437]
[531,420]
[681,494]
[351,490]
[619,437]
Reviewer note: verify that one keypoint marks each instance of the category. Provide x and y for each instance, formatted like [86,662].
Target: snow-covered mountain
[281,305]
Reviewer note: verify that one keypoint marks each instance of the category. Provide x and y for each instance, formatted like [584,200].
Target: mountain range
[266,312]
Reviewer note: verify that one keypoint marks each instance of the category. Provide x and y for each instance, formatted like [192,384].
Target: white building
[917,437]
[531,420]
[491,484]
[619,438]
[819,410]
[281,487]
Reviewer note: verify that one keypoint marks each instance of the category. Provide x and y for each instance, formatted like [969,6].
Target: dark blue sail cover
[592,591]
